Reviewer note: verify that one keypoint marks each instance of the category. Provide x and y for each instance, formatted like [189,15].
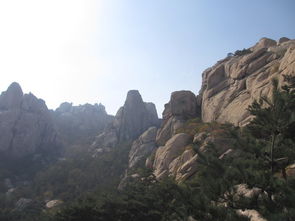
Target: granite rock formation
[232,84]
[26,126]
[183,105]
[142,147]
[130,122]
[80,123]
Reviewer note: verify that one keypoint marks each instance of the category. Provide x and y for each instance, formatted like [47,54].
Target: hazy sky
[96,50]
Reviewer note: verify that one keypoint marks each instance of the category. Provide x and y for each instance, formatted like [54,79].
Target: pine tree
[274,122]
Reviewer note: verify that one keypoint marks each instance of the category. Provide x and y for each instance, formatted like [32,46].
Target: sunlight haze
[94,51]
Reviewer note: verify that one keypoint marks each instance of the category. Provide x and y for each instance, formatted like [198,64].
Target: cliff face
[26,126]
[135,117]
[228,88]
[80,123]
[130,122]
[231,85]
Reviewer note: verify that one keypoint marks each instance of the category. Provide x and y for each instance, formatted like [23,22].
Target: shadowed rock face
[231,85]
[135,117]
[26,126]
[80,123]
[130,122]
[142,147]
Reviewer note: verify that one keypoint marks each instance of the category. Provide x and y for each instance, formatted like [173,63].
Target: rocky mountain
[26,127]
[232,84]
[150,149]
[160,147]
[228,88]
[80,123]
[130,122]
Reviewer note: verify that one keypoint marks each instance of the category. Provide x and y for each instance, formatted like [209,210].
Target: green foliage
[275,123]
[242,52]
[83,172]
[195,125]
[260,154]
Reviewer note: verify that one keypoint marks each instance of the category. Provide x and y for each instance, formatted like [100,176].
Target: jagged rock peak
[12,97]
[82,122]
[26,127]
[69,107]
[133,98]
[15,88]
[131,120]
[135,116]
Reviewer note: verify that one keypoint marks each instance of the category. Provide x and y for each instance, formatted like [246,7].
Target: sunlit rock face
[232,84]
[26,126]
[131,120]
[183,105]
[80,123]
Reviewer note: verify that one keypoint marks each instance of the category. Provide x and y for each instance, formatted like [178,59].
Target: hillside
[224,154]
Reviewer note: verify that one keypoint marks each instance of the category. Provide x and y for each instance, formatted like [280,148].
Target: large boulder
[166,154]
[230,86]
[183,105]
[53,203]
[26,127]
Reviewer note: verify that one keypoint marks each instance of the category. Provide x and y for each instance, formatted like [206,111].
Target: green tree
[274,122]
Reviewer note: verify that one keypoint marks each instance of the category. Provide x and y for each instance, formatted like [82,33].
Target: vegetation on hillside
[254,177]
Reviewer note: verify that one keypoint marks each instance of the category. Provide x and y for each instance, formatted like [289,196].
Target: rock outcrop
[228,88]
[179,158]
[130,122]
[183,105]
[231,85]
[53,203]
[26,126]
[166,154]
[80,123]
[135,117]
[142,147]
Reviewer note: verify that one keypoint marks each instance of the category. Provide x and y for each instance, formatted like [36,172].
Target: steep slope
[228,88]
[231,85]
[26,127]
[165,145]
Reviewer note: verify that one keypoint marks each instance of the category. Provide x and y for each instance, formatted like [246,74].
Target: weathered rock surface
[140,150]
[79,123]
[142,147]
[26,126]
[166,154]
[135,117]
[231,85]
[183,105]
[130,122]
[252,214]
[53,203]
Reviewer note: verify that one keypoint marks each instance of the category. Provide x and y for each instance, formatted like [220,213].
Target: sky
[94,51]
